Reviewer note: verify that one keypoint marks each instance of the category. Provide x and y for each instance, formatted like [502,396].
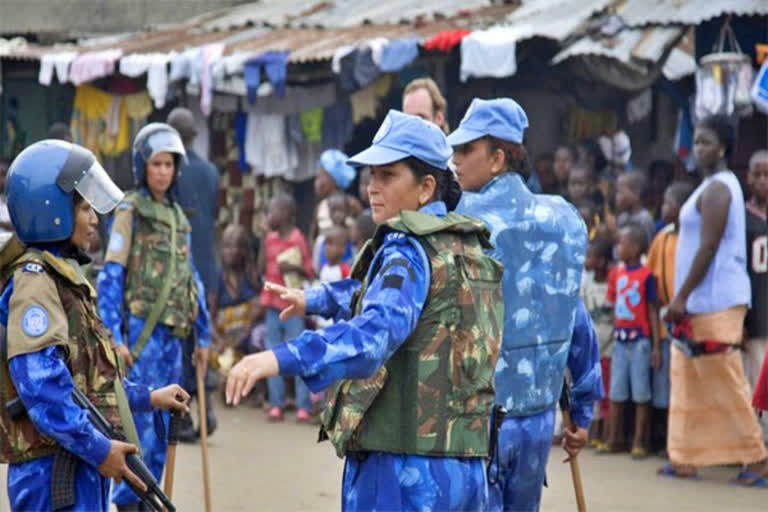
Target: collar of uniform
[145,192]
[437,208]
[510,177]
[68,268]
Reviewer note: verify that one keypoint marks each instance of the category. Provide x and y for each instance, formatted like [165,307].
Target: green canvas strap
[124,408]
[162,298]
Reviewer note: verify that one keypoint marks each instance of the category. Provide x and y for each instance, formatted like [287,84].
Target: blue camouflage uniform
[44,384]
[541,242]
[158,365]
[355,347]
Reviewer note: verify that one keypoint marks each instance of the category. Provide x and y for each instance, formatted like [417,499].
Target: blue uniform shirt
[541,241]
[356,346]
[45,386]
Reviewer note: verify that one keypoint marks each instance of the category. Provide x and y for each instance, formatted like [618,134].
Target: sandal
[668,471]
[749,479]
[605,449]
[639,453]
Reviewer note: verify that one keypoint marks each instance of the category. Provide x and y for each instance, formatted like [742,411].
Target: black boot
[187,433]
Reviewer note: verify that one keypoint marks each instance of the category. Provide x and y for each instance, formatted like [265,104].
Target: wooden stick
[170,459]
[575,471]
[203,434]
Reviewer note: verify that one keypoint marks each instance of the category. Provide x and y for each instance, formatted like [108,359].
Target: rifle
[153,498]
[64,462]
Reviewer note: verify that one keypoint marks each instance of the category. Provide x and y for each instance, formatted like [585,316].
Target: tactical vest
[148,264]
[434,395]
[89,356]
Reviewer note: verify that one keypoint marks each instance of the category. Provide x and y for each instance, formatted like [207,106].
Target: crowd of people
[648,285]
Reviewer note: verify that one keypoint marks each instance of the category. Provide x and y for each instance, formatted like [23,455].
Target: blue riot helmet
[153,139]
[41,184]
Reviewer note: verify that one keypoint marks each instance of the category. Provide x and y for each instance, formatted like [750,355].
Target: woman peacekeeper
[150,295]
[54,339]
[541,241]
[416,340]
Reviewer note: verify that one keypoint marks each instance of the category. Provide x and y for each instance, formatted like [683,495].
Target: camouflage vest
[148,261]
[434,395]
[90,358]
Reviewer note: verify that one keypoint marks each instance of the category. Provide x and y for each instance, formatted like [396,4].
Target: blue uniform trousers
[519,475]
[388,482]
[158,365]
[29,487]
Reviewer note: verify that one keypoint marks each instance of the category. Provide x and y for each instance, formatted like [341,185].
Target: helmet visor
[165,142]
[98,189]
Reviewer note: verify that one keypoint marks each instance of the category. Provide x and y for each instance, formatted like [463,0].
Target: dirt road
[258,466]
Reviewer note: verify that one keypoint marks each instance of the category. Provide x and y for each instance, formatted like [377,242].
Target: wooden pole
[170,460]
[575,471]
[203,434]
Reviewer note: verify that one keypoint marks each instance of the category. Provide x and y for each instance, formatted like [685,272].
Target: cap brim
[462,136]
[377,155]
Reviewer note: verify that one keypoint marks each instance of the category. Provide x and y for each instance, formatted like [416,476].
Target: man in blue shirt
[541,242]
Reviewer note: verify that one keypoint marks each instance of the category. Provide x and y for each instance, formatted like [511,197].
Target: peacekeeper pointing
[415,345]
[54,339]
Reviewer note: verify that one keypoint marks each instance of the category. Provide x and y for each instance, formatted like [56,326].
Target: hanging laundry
[210,53]
[155,65]
[365,101]
[274,64]
[489,53]
[311,123]
[59,62]
[365,69]
[445,41]
[307,151]
[100,121]
[268,150]
[339,54]
[398,53]
[346,75]
[241,126]
[181,64]
[92,65]
[759,91]
[337,125]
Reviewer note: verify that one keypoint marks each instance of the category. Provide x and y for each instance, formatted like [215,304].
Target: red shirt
[630,290]
[274,245]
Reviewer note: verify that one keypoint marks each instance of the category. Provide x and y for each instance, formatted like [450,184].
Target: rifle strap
[165,291]
[123,408]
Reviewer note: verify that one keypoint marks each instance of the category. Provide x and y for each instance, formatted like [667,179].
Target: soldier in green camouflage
[413,354]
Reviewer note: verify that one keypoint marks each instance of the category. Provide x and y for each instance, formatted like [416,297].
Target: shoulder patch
[35,322]
[116,242]
[32,268]
[394,236]
[124,206]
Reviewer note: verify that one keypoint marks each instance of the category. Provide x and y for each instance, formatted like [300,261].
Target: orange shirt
[661,261]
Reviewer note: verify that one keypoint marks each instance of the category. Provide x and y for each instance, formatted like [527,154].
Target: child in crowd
[582,186]
[565,157]
[594,293]
[234,302]
[336,244]
[661,261]
[632,292]
[589,214]
[340,217]
[333,175]
[756,323]
[362,230]
[283,238]
[630,187]
[542,179]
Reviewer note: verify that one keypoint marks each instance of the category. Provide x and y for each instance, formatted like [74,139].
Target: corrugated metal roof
[305,43]
[635,48]
[339,13]
[686,12]
[553,19]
